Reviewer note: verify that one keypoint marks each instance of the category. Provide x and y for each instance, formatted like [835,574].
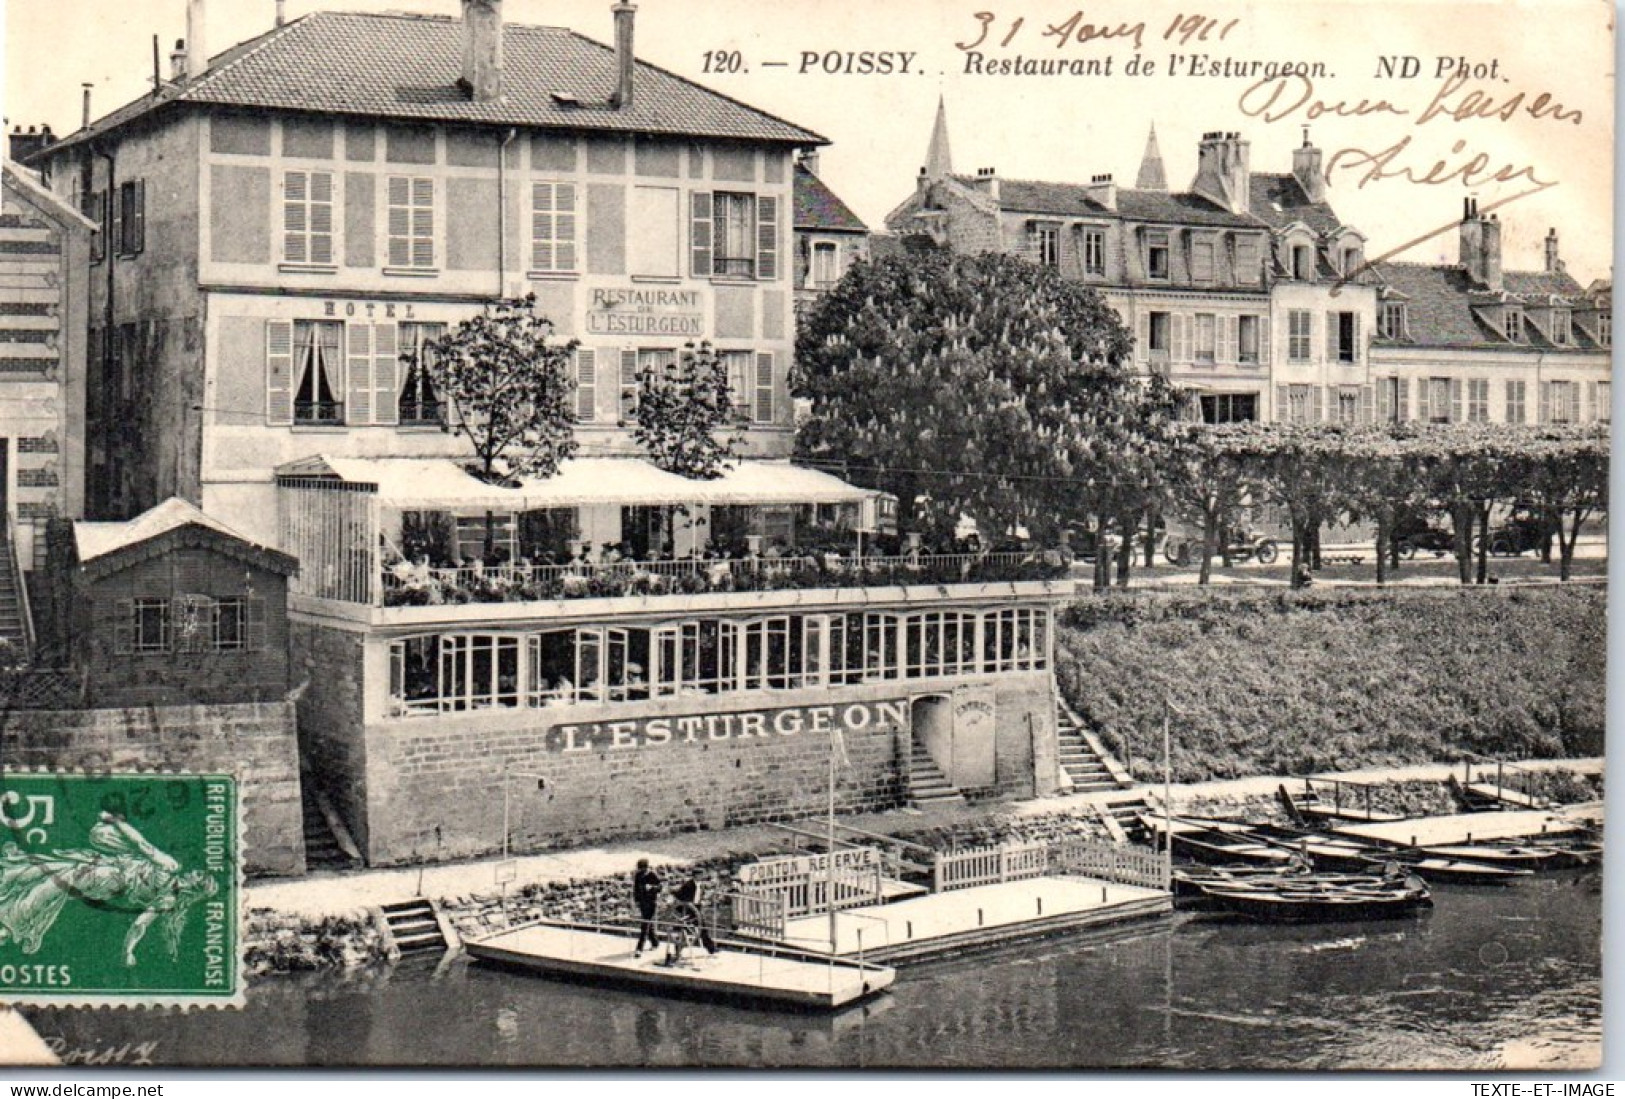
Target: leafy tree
[682,410]
[976,385]
[1563,471]
[512,387]
[1211,478]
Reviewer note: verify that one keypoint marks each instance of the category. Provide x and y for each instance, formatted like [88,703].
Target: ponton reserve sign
[645,311]
[748,725]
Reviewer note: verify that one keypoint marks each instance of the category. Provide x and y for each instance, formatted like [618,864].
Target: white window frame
[1094,250]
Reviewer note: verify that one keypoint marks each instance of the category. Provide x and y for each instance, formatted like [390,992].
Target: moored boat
[1373,899]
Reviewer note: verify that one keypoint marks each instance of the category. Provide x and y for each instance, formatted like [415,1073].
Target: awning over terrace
[441,483]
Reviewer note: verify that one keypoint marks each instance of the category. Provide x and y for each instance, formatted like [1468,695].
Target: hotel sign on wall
[752,726]
[645,311]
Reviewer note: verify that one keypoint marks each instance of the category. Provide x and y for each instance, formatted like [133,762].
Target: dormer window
[1044,242]
[1391,320]
[1605,329]
[1513,325]
[1156,256]
[1352,258]
[1562,327]
[1303,261]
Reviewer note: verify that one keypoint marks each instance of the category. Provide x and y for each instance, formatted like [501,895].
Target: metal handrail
[26,611]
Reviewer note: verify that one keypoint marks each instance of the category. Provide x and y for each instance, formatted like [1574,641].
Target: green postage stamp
[120,889]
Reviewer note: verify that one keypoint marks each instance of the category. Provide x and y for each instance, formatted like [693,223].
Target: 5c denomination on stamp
[120,889]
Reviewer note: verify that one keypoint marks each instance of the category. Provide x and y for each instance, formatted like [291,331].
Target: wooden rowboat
[1328,903]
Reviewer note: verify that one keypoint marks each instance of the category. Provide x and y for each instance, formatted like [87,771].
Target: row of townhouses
[1250,292]
[217,299]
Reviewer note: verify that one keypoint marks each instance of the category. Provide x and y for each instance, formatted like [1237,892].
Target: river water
[1489,978]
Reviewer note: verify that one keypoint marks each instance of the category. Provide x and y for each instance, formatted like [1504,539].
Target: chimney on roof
[1554,263]
[281,12]
[177,60]
[21,145]
[809,160]
[197,48]
[1307,169]
[625,60]
[1222,172]
[987,181]
[85,122]
[482,50]
[1480,246]
[1102,190]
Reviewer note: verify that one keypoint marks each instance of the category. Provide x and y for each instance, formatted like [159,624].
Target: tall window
[419,402]
[740,376]
[1438,400]
[307,217]
[1156,256]
[130,217]
[151,626]
[658,360]
[1206,338]
[735,227]
[1351,259]
[1247,341]
[1478,400]
[1202,261]
[1160,336]
[1303,261]
[1299,335]
[1563,402]
[1605,329]
[553,226]
[1343,337]
[825,265]
[1514,325]
[1562,326]
[1391,320]
[411,222]
[1094,251]
[1517,402]
[1044,243]
[318,370]
[1248,267]
[1299,404]
[1348,405]
[1605,401]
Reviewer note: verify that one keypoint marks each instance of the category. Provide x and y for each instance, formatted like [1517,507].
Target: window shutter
[1359,348]
[1367,401]
[124,627]
[699,234]
[1182,342]
[767,237]
[279,372]
[321,217]
[136,219]
[295,226]
[627,390]
[193,629]
[1263,341]
[1145,336]
[1283,404]
[1229,339]
[1424,398]
[1385,400]
[386,380]
[586,385]
[1545,402]
[763,411]
[1331,337]
[422,222]
[400,221]
[1402,389]
[358,409]
[254,623]
[1455,401]
[115,236]
[1317,404]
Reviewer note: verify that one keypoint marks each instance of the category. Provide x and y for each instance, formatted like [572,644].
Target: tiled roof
[403,66]
[98,539]
[1439,307]
[1279,200]
[1541,284]
[817,207]
[1062,199]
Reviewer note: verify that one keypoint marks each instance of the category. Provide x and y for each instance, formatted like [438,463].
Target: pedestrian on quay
[646,895]
[690,927]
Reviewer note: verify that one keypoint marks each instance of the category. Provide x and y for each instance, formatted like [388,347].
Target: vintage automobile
[1244,545]
[1416,534]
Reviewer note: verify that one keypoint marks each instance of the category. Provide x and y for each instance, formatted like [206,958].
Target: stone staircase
[13,628]
[413,927]
[1084,759]
[927,785]
[324,849]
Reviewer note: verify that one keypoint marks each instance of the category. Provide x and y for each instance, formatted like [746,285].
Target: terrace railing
[407,584]
[1020,861]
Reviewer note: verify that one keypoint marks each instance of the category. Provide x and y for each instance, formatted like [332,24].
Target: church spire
[1151,177]
[939,161]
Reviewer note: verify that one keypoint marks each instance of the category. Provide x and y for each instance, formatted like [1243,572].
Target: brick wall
[253,741]
[171,678]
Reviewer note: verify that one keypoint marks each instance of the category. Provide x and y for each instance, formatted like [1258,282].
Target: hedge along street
[120,889]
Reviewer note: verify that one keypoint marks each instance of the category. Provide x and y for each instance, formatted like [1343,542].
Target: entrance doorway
[932,719]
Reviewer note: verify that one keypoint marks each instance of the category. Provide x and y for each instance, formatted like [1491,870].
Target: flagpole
[830,887]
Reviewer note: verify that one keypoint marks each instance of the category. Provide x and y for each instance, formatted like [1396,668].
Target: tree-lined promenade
[989,388]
